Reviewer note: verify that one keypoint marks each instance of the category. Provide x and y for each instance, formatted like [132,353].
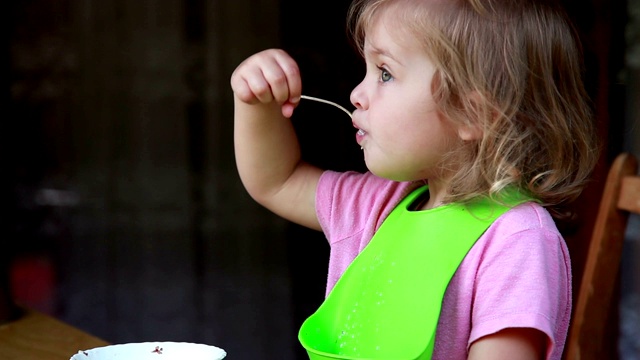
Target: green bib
[387,303]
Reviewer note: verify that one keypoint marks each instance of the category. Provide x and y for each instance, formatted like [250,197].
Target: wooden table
[37,336]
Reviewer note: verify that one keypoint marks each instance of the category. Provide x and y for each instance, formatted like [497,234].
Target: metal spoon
[326,102]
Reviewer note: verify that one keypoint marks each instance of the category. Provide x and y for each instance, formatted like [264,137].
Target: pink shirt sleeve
[518,274]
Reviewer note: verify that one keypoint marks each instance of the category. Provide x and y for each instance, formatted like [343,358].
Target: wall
[121,123]
[121,170]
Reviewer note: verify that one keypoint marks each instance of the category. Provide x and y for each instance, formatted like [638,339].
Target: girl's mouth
[360,136]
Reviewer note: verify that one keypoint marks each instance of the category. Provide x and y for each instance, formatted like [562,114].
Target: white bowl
[152,351]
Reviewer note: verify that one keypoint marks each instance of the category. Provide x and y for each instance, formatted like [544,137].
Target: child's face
[402,134]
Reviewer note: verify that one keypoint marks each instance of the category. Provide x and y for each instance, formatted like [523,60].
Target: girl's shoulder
[528,216]
[527,228]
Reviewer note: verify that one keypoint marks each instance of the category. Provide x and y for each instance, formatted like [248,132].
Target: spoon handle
[326,102]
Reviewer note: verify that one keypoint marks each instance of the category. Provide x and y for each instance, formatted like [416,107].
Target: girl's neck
[437,193]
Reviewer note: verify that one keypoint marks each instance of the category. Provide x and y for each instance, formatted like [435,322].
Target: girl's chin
[381,173]
[391,174]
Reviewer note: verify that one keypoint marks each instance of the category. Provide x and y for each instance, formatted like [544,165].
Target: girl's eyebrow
[376,51]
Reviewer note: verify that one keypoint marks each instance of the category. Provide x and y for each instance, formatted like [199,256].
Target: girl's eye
[385,75]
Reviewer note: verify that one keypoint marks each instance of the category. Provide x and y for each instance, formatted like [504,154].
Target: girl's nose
[357,97]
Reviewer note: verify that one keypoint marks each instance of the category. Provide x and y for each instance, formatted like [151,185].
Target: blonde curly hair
[513,69]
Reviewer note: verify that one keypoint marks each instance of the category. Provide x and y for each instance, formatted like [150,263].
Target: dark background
[125,215]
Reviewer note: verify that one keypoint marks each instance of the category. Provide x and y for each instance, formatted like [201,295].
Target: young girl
[474,98]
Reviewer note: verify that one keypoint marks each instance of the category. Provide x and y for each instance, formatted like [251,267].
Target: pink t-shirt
[518,273]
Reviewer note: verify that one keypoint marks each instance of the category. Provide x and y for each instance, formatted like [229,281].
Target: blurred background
[125,216]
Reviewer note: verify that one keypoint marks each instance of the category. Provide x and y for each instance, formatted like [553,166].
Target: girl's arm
[267,88]
[510,344]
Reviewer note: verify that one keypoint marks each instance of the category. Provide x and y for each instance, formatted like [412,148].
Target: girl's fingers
[287,109]
[243,82]
[266,77]
[260,88]
[292,77]
[283,76]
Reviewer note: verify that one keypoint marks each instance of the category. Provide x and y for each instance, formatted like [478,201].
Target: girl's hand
[268,76]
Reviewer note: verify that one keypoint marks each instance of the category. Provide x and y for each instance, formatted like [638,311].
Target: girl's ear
[473,130]
[469,132]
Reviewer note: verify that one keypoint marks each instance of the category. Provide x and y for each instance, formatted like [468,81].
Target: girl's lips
[360,135]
